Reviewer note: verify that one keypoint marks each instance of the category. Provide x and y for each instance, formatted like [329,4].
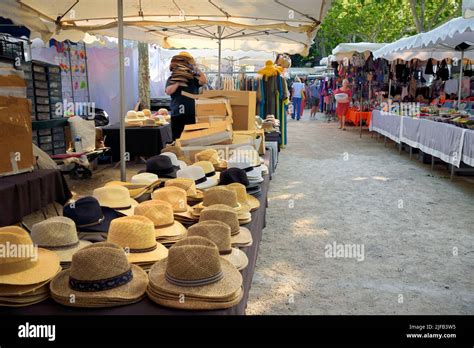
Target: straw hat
[100,276]
[132,119]
[162,111]
[178,152]
[211,155]
[209,170]
[141,115]
[194,270]
[240,236]
[175,196]
[223,195]
[189,186]
[149,122]
[167,230]
[243,197]
[144,178]
[23,263]
[136,190]
[197,174]
[59,235]
[116,197]
[174,160]
[219,233]
[146,112]
[136,234]
[89,216]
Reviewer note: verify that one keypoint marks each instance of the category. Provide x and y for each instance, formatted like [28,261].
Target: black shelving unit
[45,92]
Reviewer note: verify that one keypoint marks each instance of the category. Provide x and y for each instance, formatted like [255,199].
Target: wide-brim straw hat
[194,195]
[116,197]
[136,190]
[243,197]
[106,258]
[36,265]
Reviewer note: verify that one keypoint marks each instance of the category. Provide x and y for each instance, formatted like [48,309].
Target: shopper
[187,77]
[297,94]
[343,105]
[314,98]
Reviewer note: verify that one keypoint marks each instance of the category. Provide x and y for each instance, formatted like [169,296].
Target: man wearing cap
[185,76]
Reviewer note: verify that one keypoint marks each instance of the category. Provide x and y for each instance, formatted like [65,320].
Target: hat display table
[140,141]
[23,194]
[146,306]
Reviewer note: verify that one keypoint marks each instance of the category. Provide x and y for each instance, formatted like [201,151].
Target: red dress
[343,108]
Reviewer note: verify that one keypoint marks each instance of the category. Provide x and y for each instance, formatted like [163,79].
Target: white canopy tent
[453,39]
[347,50]
[262,25]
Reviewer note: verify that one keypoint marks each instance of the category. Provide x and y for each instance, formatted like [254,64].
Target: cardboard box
[16,149]
[213,119]
[244,106]
[258,138]
[215,106]
[207,134]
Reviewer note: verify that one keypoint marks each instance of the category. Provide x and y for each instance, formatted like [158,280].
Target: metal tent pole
[219,78]
[123,174]
[460,78]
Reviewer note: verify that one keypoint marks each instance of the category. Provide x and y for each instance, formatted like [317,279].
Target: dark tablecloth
[148,307]
[23,194]
[140,141]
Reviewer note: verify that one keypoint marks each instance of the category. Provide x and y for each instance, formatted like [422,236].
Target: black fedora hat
[234,175]
[161,166]
[89,216]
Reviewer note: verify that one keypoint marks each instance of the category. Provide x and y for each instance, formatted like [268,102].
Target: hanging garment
[451,86]
[412,88]
[466,87]
[404,92]
[429,67]
[443,71]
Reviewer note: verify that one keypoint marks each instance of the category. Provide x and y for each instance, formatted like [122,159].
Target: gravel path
[416,227]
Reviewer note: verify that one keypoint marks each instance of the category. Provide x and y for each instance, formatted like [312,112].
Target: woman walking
[343,102]
[298,88]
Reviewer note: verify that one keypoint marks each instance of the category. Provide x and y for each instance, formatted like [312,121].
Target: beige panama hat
[136,235]
[243,197]
[194,195]
[23,263]
[147,112]
[223,195]
[209,169]
[194,270]
[136,190]
[59,235]
[175,196]
[211,155]
[116,197]
[177,151]
[133,120]
[240,236]
[167,230]
[219,233]
[100,276]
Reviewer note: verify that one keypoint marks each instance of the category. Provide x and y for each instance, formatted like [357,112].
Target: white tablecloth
[468,148]
[386,124]
[450,143]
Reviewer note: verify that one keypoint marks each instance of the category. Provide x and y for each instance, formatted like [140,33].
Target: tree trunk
[143,75]
[416,18]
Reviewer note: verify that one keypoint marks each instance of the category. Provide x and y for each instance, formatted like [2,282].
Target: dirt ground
[416,226]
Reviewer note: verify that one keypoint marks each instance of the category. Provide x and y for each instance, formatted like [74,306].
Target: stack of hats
[25,270]
[193,195]
[59,235]
[134,119]
[141,185]
[167,230]
[197,174]
[177,151]
[116,197]
[92,221]
[182,69]
[100,276]
[240,236]
[219,233]
[161,166]
[179,164]
[271,124]
[177,197]
[243,197]
[249,161]
[136,235]
[225,196]
[195,277]
[209,171]
[211,155]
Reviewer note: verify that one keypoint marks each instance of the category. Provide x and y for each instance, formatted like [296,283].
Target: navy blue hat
[161,166]
[232,175]
[89,216]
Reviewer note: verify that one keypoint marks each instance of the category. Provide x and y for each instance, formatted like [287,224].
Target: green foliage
[376,21]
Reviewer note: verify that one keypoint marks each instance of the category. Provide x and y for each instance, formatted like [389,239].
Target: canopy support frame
[123,162]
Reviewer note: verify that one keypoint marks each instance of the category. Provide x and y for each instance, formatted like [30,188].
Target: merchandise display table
[445,141]
[140,141]
[23,194]
[354,116]
[146,306]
